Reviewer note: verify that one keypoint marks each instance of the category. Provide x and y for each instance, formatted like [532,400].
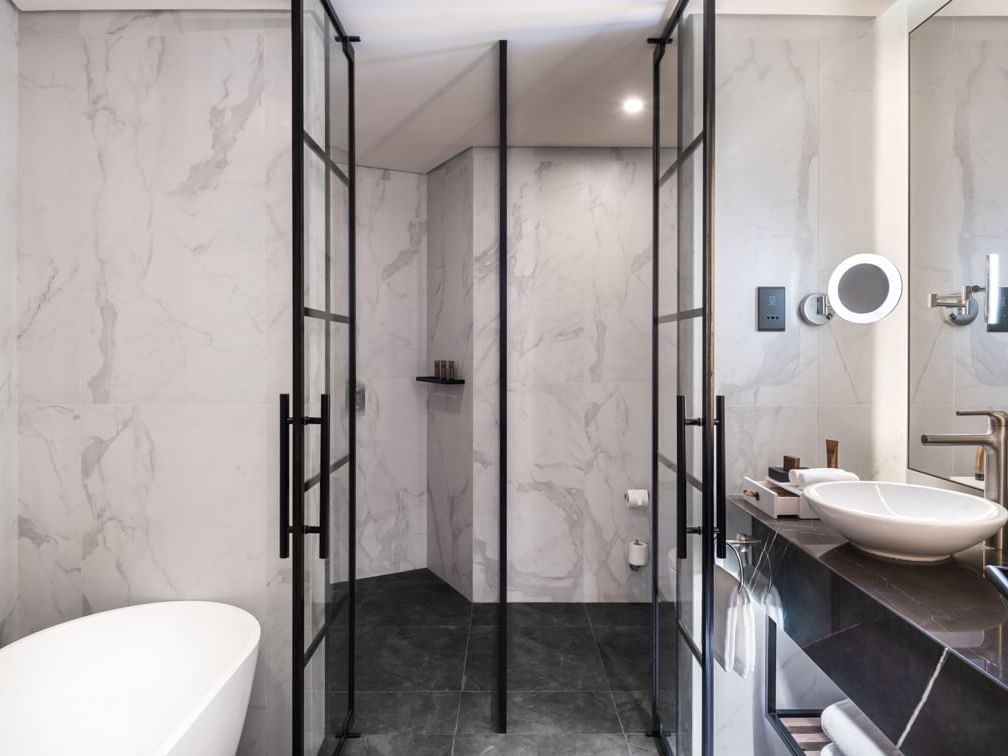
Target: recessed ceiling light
[633,105]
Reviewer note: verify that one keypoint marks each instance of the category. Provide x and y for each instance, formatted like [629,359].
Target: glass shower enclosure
[317,423]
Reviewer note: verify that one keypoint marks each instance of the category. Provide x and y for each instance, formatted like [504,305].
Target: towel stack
[852,733]
[808,476]
[734,625]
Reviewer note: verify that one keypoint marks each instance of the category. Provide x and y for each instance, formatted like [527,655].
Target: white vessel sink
[905,522]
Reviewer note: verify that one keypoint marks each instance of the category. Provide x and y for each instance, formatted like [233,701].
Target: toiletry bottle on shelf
[832,453]
[981,463]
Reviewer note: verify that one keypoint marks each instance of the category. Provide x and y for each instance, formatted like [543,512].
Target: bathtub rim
[201,703]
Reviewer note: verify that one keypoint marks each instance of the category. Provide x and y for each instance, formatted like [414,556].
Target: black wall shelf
[442,381]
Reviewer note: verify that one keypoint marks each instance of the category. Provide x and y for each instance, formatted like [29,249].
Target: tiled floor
[427,672]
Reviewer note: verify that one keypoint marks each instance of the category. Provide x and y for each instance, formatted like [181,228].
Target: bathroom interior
[481,377]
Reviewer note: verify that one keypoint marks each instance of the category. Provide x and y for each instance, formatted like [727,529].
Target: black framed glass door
[687,419]
[318,423]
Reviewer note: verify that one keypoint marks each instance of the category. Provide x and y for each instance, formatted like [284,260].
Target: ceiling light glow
[633,105]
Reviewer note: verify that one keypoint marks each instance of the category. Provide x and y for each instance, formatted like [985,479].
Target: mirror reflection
[958,233]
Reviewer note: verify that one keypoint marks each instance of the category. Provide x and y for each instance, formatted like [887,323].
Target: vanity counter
[923,650]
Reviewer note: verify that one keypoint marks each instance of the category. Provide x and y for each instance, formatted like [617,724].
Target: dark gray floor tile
[532,614]
[481,660]
[642,745]
[634,709]
[619,614]
[555,658]
[540,745]
[399,745]
[412,604]
[411,658]
[626,653]
[413,712]
[541,713]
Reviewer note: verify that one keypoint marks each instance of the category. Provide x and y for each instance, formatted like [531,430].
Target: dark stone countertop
[923,649]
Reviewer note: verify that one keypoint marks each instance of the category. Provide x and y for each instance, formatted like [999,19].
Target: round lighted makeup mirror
[864,288]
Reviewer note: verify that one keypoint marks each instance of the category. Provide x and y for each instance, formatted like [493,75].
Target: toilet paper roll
[636,497]
[637,553]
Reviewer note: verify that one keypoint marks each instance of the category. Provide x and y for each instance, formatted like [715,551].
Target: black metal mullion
[323,153]
[348,51]
[312,312]
[659,52]
[682,157]
[502,276]
[709,397]
[297,283]
[675,317]
[314,480]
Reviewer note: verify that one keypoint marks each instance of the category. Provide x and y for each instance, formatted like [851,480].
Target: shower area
[460,544]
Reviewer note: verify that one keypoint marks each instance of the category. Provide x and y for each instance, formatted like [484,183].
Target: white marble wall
[154,321]
[579,371]
[794,197]
[450,408]
[8,318]
[958,202]
[392,339]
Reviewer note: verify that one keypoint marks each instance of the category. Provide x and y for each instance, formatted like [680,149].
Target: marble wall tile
[795,197]
[486,376]
[579,341]
[52,517]
[154,259]
[392,338]
[8,317]
[450,337]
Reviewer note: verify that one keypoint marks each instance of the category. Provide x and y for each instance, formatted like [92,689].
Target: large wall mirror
[958,229]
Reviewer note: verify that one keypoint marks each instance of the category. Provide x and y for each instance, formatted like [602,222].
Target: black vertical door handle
[284,476]
[323,547]
[681,477]
[720,493]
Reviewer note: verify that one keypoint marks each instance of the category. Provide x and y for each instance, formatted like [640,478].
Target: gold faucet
[995,443]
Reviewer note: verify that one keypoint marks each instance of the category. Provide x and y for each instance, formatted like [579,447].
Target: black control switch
[770,312]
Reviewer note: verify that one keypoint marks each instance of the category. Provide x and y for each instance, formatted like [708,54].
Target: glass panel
[316,32]
[689,697]
[315,703]
[339,96]
[689,231]
[339,245]
[668,245]
[668,104]
[690,62]
[314,231]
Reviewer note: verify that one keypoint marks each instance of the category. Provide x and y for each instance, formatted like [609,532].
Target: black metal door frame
[293,419]
[711,529]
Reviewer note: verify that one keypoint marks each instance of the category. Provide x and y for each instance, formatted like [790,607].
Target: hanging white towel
[734,625]
[852,732]
[803,478]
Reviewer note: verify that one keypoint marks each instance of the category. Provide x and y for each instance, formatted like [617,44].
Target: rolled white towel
[852,732]
[831,750]
[808,476]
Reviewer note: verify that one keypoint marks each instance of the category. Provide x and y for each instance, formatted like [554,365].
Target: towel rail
[740,542]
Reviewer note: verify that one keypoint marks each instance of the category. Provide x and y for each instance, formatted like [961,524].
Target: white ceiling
[427,69]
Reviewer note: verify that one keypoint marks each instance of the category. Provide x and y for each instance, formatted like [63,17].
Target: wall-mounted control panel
[770,308]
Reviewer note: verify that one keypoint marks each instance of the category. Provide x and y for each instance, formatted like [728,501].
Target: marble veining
[153,320]
[579,287]
[794,198]
[392,339]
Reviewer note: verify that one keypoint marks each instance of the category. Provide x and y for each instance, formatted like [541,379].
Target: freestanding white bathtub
[153,679]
